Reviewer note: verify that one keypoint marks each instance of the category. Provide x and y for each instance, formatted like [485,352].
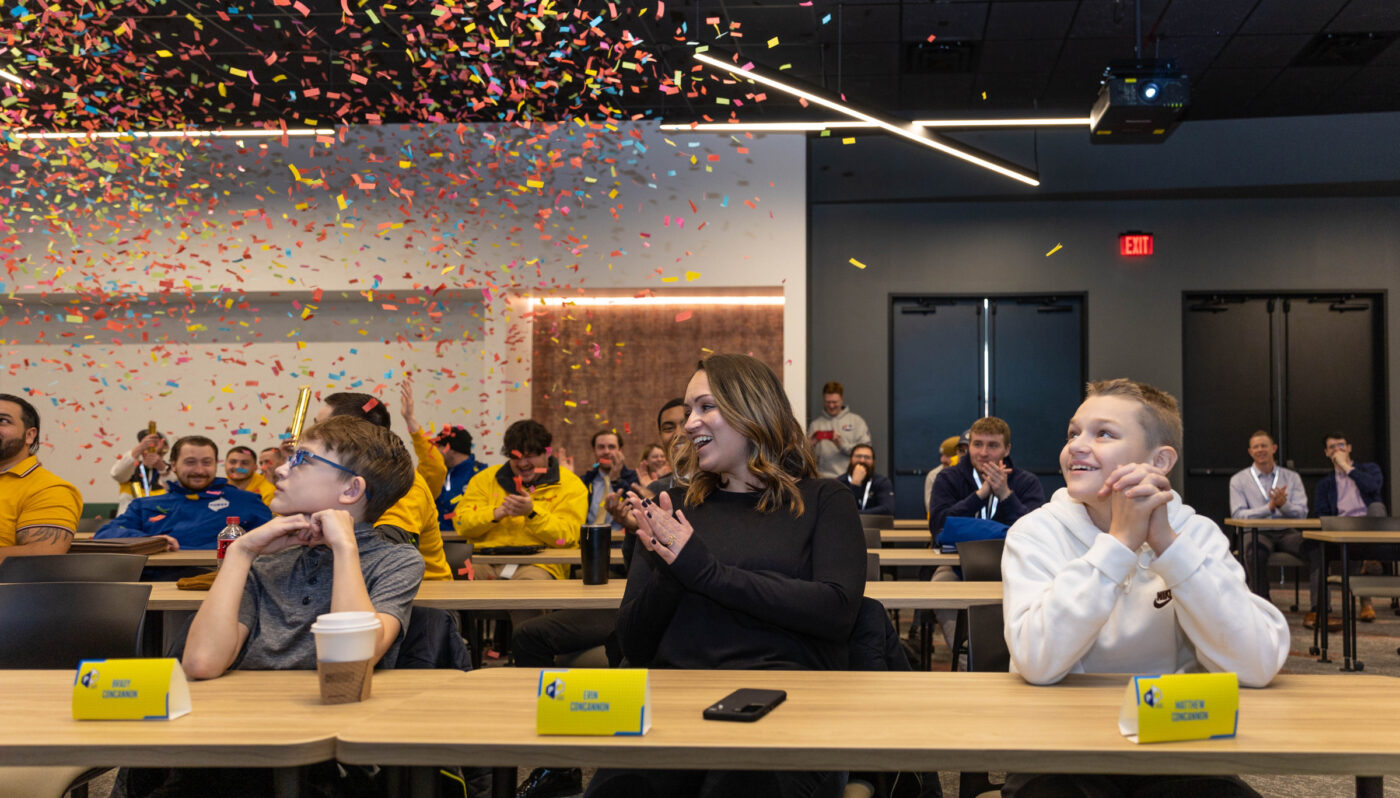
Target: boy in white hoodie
[1116,575]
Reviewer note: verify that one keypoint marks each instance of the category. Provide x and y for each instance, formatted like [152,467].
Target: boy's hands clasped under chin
[333,528]
[1140,494]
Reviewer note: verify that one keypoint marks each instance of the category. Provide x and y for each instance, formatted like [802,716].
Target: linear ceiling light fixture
[631,301]
[170,134]
[11,77]
[798,127]
[901,128]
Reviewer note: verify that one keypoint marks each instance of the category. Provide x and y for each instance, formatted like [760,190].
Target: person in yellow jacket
[240,469]
[528,501]
[416,513]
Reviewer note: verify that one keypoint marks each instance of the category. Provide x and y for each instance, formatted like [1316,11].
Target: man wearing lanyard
[874,493]
[984,484]
[1268,490]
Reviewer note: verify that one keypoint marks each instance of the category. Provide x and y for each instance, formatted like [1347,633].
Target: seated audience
[528,501]
[756,563]
[608,477]
[835,432]
[240,471]
[669,423]
[1350,490]
[142,471]
[455,444]
[319,555]
[947,455]
[196,504]
[984,484]
[268,461]
[39,511]
[653,465]
[413,517]
[874,493]
[1268,490]
[1116,575]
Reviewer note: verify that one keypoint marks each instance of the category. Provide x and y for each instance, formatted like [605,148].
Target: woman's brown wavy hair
[752,401]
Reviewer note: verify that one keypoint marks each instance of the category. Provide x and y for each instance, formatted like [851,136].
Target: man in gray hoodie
[836,432]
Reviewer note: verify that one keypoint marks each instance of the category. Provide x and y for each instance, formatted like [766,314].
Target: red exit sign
[1134,244]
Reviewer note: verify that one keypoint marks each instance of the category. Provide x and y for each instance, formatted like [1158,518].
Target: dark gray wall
[1271,204]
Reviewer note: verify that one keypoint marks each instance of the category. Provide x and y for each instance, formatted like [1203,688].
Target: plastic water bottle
[229,534]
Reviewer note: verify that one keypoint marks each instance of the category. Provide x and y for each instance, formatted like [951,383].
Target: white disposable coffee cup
[345,636]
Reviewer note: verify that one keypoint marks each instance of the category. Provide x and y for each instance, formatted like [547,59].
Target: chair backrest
[872,538]
[432,640]
[58,624]
[1342,523]
[81,567]
[457,553]
[877,521]
[872,567]
[980,560]
[986,640]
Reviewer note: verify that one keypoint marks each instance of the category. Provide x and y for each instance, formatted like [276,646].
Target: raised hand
[659,528]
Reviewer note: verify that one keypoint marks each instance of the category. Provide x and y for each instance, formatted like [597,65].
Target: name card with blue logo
[130,689]
[594,702]
[1180,706]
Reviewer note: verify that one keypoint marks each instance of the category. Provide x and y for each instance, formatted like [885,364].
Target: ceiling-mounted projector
[1140,102]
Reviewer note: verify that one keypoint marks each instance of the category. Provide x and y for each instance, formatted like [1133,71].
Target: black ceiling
[173,63]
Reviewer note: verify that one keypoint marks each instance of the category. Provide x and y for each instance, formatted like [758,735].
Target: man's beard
[10,447]
[851,470]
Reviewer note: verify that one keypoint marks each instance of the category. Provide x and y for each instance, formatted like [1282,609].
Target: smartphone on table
[745,705]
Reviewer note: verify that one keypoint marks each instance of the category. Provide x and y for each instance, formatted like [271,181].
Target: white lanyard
[990,509]
[1260,482]
[145,481]
[866,497]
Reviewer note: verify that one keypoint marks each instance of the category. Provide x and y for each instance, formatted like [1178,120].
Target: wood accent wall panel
[576,359]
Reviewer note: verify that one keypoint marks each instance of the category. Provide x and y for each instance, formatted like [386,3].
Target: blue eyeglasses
[301,456]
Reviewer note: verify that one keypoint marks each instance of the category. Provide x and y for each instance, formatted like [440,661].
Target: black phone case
[745,706]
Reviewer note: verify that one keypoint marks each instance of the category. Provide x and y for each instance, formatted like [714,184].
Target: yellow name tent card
[1180,706]
[593,701]
[130,689]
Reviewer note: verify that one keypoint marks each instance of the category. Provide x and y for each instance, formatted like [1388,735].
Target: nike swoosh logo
[1160,603]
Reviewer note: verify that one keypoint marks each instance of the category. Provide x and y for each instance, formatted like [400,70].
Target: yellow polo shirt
[416,513]
[30,495]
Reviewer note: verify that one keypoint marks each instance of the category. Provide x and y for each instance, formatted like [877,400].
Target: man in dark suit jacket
[1349,490]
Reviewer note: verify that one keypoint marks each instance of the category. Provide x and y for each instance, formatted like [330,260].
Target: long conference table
[1302,724]
[888,557]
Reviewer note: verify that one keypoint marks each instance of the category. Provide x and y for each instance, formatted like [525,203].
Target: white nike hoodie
[1078,601]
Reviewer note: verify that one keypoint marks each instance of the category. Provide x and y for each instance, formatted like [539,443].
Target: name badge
[130,689]
[593,702]
[1180,706]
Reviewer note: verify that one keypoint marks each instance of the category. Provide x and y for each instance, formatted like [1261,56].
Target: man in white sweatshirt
[1116,575]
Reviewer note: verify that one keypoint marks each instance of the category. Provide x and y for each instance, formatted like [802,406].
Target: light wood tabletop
[243,719]
[558,594]
[207,558]
[1275,523]
[888,557]
[1338,536]
[888,721]
[888,536]
[911,523]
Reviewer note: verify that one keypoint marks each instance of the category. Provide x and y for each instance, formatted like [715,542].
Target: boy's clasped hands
[333,528]
[1140,493]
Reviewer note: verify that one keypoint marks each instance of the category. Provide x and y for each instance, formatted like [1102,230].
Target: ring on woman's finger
[670,541]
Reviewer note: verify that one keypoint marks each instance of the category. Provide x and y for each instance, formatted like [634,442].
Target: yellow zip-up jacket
[430,462]
[416,514]
[561,503]
[259,485]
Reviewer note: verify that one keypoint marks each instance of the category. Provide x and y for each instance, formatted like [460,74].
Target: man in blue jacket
[197,506]
[609,476]
[1349,490]
[874,492]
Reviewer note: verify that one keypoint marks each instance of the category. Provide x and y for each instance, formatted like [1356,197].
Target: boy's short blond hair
[372,452]
[1161,415]
[991,425]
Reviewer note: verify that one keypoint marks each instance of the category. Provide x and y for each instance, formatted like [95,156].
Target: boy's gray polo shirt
[286,591]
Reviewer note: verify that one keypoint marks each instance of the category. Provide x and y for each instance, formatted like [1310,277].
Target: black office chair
[986,653]
[877,521]
[83,567]
[58,624]
[980,561]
